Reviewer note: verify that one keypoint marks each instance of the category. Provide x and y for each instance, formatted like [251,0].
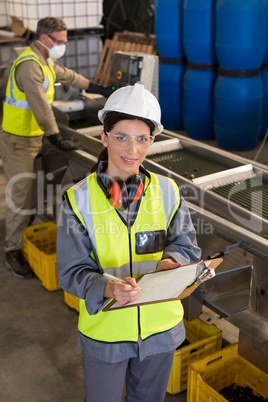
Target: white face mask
[56,52]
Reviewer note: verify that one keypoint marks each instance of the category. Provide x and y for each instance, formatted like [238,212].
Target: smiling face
[124,162]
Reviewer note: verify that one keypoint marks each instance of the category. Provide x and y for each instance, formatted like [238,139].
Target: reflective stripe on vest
[114,248]
[18,118]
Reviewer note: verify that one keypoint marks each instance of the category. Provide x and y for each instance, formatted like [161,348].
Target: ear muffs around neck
[122,194]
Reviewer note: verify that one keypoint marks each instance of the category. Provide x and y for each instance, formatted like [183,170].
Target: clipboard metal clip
[203,273]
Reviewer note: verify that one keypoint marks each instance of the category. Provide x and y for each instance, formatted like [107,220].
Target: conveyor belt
[89,144]
[186,163]
[251,194]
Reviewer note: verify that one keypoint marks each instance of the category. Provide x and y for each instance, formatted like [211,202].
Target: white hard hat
[134,100]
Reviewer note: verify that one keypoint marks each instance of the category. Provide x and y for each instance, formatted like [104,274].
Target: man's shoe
[16,262]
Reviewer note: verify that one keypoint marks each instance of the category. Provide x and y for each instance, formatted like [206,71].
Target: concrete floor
[39,359]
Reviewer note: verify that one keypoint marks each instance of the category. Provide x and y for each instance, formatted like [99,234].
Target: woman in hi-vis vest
[123,220]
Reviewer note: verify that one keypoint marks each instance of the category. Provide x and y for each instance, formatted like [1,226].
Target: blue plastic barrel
[198,100]
[241,33]
[238,109]
[168,28]
[170,94]
[264,76]
[265,60]
[199,31]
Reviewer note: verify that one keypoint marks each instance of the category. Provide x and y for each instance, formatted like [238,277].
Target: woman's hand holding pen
[122,292]
[167,263]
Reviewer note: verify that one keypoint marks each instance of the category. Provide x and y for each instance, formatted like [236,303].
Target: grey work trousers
[145,380]
[18,154]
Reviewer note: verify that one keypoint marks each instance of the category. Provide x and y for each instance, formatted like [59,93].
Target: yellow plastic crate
[209,375]
[39,249]
[204,339]
[71,300]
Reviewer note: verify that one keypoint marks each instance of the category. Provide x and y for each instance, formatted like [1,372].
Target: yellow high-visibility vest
[116,249]
[18,118]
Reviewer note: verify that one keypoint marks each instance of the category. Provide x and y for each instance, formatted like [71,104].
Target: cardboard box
[16,32]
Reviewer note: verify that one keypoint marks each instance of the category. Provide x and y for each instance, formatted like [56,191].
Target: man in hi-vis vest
[27,116]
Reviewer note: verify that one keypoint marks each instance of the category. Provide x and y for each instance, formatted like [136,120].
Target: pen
[114,278]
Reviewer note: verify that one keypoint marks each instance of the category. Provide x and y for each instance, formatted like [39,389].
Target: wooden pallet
[137,37]
[102,76]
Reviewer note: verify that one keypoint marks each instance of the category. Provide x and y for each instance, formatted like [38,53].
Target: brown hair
[49,24]
[108,124]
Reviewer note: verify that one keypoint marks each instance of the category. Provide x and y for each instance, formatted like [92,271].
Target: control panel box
[129,68]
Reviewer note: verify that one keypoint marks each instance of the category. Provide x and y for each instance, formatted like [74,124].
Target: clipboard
[196,278]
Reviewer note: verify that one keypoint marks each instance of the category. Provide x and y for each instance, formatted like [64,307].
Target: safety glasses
[123,140]
[56,41]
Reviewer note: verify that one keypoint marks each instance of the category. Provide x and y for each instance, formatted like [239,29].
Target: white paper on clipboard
[164,285]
